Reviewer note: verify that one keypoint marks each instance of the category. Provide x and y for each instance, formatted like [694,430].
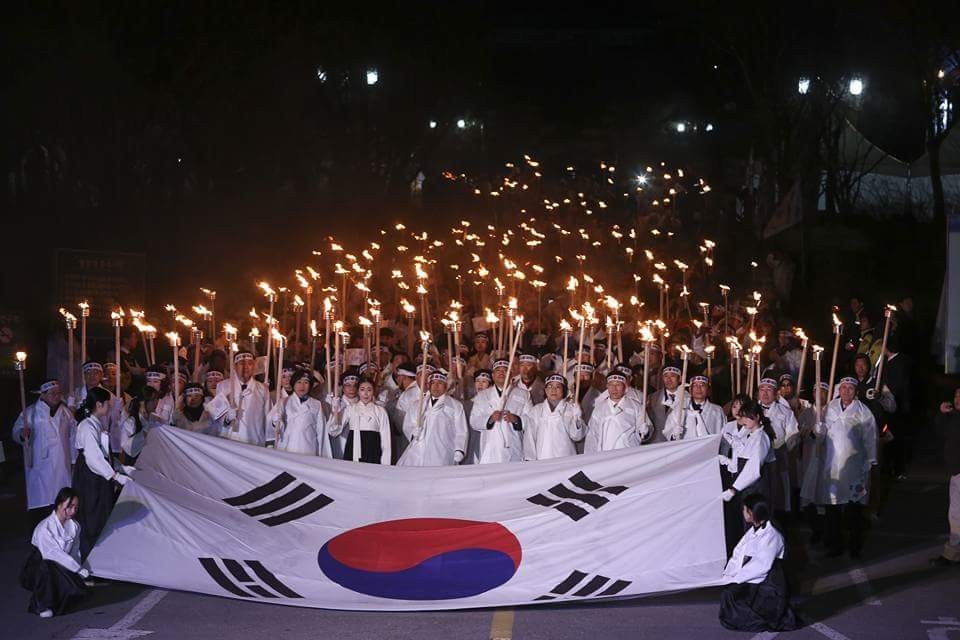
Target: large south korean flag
[229,519]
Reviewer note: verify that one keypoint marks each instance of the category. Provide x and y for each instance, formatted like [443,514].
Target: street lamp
[856,86]
[433,124]
[461,124]
[708,128]
[681,127]
[372,77]
[803,86]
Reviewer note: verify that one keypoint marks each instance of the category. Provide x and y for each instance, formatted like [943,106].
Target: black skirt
[51,585]
[759,607]
[97,495]
[370,447]
[733,523]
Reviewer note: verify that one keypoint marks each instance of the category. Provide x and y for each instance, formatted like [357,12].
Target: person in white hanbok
[243,403]
[349,385]
[93,379]
[298,419]
[618,422]
[157,380]
[49,428]
[367,427]
[701,417]
[660,402]
[193,415]
[589,393]
[436,428]
[529,379]
[498,417]
[53,573]
[553,427]
[849,433]
[403,401]
[784,424]
[756,598]
[139,417]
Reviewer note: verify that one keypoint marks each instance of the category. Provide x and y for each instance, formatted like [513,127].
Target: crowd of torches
[491,269]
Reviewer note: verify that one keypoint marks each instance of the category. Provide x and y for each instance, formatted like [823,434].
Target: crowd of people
[820,453]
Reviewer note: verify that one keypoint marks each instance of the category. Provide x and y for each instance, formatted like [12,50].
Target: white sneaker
[46,613]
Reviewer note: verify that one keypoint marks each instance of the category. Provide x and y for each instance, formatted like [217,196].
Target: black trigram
[588,588]
[239,581]
[278,509]
[573,503]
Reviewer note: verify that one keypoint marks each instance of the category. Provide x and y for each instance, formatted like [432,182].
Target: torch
[724,291]
[84,314]
[837,330]
[888,314]
[298,311]
[174,339]
[804,341]
[565,331]
[230,333]
[71,321]
[21,366]
[254,336]
[583,326]
[518,321]
[117,317]
[457,328]
[411,312]
[281,342]
[681,390]
[709,351]
[366,324]
[425,344]
[212,297]
[272,297]
[647,336]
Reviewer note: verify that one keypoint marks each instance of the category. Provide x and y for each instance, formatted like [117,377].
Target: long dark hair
[752,410]
[147,394]
[89,404]
[64,495]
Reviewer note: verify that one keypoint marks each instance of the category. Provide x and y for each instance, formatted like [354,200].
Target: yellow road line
[501,626]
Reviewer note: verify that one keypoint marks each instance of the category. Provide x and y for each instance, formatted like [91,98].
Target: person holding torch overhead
[496,415]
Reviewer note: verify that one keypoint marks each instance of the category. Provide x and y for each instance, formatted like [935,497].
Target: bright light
[940,74]
[461,124]
[681,127]
[856,86]
[642,178]
[321,74]
[433,124]
[708,128]
[372,77]
[803,86]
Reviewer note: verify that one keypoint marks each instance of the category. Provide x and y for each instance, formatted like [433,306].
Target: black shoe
[940,562]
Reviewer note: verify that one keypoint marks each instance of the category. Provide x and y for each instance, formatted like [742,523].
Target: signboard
[103,278]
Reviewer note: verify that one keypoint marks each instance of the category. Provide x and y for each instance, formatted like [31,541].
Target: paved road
[891,593]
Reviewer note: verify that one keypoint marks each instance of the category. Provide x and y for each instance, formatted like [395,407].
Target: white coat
[365,417]
[551,432]
[754,555]
[616,426]
[52,439]
[708,421]
[57,542]
[443,433]
[501,442]
[301,426]
[244,411]
[111,421]
[849,450]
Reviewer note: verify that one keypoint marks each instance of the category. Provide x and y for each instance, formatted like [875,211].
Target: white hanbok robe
[501,442]
[616,426]
[111,421]
[708,421]
[52,439]
[244,411]
[301,426]
[133,442]
[57,542]
[552,432]
[444,432]
[754,555]
[849,450]
[205,424]
[359,417]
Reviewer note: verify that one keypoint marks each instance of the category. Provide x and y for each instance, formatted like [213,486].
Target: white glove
[728,495]
[123,480]
[83,573]
[871,393]
[457,457]
[127,469]
[724,460]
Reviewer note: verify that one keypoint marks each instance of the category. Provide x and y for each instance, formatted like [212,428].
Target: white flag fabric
[229,519]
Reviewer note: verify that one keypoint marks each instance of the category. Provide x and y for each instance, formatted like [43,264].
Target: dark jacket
[949,424]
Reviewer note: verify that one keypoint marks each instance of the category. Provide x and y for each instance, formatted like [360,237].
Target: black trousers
[51,585]
[838,517]
[97,495]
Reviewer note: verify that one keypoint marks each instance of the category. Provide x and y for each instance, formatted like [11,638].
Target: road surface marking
[829,632]
[121,630]
[862,582]
[501,626]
